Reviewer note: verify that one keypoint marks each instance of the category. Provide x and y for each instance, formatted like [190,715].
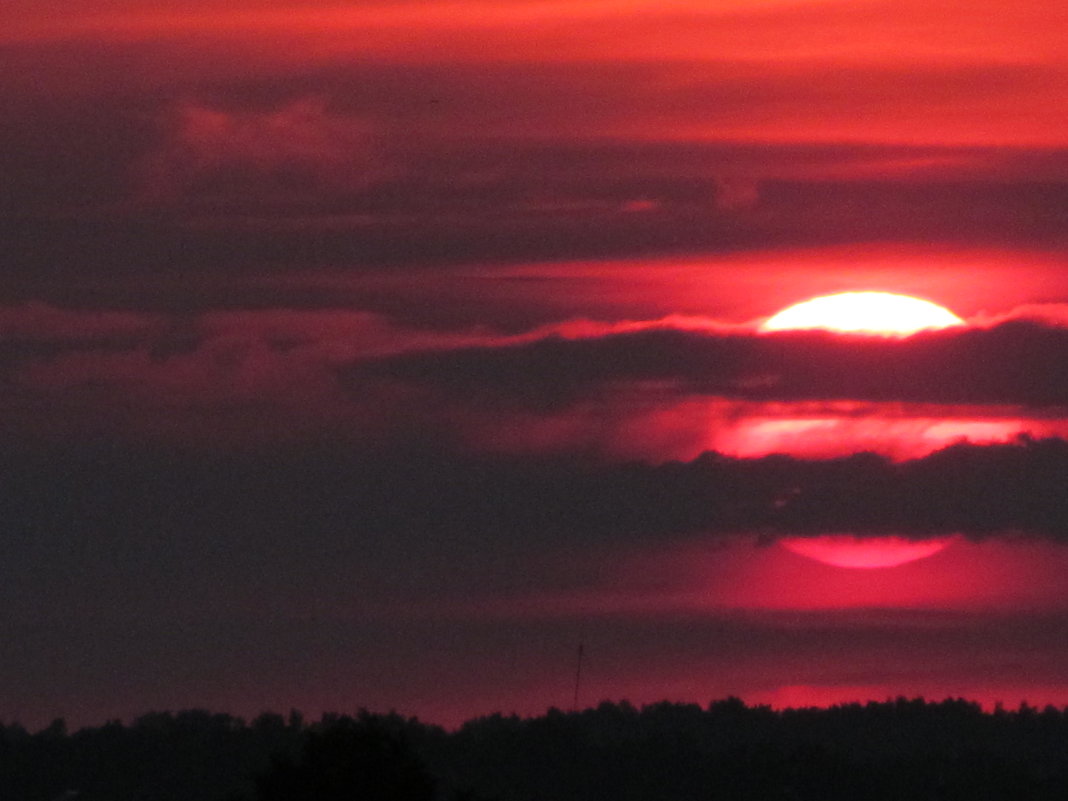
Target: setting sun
[872,552]
[883,313]
[879,313]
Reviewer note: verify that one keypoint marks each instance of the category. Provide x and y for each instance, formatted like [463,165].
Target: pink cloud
[299,151]
[41,322]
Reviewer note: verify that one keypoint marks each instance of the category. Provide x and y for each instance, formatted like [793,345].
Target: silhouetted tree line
[902,749]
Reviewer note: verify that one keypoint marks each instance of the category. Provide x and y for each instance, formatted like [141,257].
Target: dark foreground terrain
[903,749]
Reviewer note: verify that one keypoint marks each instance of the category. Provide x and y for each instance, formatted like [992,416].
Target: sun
[883,313]
[874,313]
[869,552]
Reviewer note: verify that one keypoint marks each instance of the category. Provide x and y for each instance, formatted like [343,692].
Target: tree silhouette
[879,751]
[349,760]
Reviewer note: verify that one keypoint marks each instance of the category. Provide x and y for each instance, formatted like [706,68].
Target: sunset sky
[379,354]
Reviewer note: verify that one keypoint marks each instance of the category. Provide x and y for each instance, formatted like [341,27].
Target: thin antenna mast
[578,678]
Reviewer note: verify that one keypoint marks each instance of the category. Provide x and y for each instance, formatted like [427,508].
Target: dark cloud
[1017,362]
[333,499]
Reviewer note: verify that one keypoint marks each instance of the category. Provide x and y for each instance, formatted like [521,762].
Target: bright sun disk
[882,313]
[868,552]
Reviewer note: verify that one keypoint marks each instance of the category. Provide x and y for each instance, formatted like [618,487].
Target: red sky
[380,354]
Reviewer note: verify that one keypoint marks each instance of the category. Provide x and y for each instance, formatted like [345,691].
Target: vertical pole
[578,679]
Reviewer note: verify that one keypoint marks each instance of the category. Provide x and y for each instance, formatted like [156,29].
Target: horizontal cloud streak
[422,498]
[1017,362]
[480,30]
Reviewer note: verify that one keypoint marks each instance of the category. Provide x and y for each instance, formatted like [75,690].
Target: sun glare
[882,313]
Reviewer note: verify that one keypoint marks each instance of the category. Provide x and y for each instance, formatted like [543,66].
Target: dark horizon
[660,752]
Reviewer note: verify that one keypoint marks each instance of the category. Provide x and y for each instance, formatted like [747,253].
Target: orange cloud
[945,29]
[801,71]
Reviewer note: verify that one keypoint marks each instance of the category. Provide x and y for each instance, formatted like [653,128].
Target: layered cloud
[656,389]
[196,137]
